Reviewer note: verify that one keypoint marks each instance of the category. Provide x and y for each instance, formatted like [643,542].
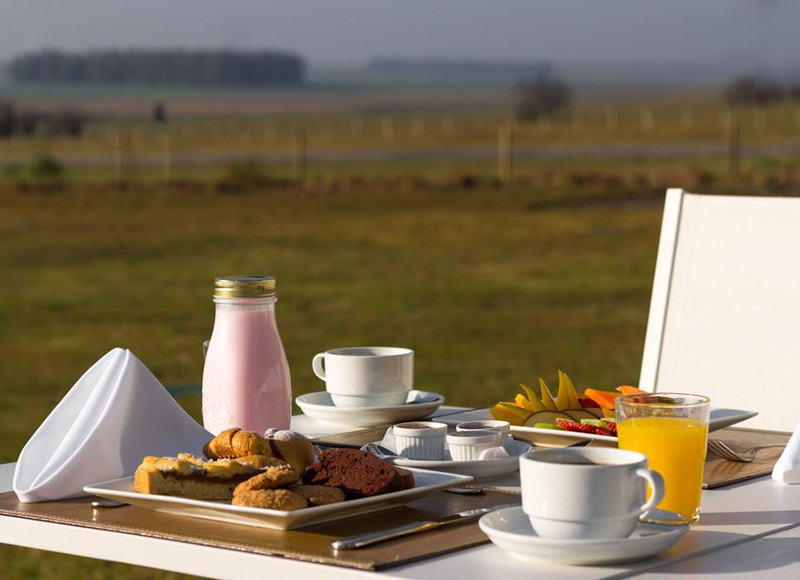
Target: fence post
[120,155]
[612,119]
[734,145]
[387,129]
[299,156]
[356,126]
[448,125]
[167,158]
[418,127]
[505,152]
[687,121]
[647,119]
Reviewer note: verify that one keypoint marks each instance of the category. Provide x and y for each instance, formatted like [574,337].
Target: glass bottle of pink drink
[246,381]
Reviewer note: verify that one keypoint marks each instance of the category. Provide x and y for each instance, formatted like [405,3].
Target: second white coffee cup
[587,493]
[366,376]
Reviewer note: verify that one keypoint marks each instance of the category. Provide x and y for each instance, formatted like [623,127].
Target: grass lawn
[486,290]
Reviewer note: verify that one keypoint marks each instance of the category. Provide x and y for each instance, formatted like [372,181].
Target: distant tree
[159,112]
[161,67]
[68,122]
[542,96]
[753,91]
[14,121]
[6,119]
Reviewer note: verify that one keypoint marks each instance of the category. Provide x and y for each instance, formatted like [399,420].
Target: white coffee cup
[366,376]
[587,493]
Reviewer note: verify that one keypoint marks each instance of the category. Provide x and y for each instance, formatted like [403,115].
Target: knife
[353,542]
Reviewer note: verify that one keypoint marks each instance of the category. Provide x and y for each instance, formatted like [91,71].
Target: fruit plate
[319,406]
[720,418]
[510,530]
[477,469]
[221,511]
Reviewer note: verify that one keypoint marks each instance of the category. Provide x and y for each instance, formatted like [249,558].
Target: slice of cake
[357,473]
[188,476]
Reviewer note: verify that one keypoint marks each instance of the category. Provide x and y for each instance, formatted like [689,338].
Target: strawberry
[568,425]
[611,427]
[587,403]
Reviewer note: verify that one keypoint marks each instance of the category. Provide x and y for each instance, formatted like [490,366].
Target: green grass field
[488,292]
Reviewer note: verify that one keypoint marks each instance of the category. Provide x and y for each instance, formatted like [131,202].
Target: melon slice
[578,414]
[545,417]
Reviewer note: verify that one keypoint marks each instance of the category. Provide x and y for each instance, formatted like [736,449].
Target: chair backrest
[725,311]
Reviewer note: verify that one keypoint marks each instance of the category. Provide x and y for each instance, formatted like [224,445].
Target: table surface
[751,529]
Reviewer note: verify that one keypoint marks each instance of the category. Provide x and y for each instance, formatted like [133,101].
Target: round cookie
[274,499]
[292,447]
[273,477]
[319,494]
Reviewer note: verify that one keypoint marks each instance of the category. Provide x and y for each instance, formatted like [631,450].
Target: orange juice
[676,448]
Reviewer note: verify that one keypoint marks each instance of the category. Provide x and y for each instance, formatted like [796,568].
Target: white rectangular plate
[425,482]
[720,418]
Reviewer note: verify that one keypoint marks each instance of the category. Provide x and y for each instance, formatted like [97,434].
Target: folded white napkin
[115,414]
[787,469]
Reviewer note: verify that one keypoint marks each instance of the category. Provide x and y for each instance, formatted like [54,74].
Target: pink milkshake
[246,381]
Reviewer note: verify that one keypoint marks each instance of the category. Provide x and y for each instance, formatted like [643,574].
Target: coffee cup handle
[656,488]
[316,364]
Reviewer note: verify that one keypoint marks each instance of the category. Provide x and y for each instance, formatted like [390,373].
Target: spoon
[107,503]
[476,490]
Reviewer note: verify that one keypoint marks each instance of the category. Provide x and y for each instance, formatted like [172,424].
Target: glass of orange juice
[671,429]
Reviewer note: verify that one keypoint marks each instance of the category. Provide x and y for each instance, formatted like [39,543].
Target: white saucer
[319,406]
[510,529]
[477,469]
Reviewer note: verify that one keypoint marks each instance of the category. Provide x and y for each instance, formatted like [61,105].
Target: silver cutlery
[477,490]
[379,450]
[107,503]
[725,452]
[362,540]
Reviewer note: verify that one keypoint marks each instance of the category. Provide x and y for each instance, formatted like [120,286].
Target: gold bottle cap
[244,287]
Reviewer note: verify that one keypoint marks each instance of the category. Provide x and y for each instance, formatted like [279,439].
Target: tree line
[759,92]
[160,67]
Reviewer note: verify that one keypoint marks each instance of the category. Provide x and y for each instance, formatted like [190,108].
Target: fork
[725,452]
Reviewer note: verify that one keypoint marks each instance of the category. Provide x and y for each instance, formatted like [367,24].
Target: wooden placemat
[719,472]
[310,544]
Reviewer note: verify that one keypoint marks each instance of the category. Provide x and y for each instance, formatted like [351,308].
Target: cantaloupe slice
[628,390]
[603,398]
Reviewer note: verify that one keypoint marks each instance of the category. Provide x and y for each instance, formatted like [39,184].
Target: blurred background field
[485,189]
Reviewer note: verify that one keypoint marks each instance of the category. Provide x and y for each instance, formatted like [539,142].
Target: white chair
[725,311]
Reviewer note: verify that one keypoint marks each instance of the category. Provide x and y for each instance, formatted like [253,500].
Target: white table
[749,529]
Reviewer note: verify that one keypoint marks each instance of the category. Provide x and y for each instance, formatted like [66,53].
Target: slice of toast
[188,476]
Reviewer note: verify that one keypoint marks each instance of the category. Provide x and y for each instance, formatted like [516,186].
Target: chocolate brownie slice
[357,473]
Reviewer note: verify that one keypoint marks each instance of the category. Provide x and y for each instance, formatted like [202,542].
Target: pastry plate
[477,469]
[319,406]
[220,511]
[720,418]
[510,529]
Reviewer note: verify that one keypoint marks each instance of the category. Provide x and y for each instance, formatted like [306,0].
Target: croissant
[233,443]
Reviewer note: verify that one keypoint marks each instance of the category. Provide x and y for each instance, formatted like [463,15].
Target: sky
[353,31]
